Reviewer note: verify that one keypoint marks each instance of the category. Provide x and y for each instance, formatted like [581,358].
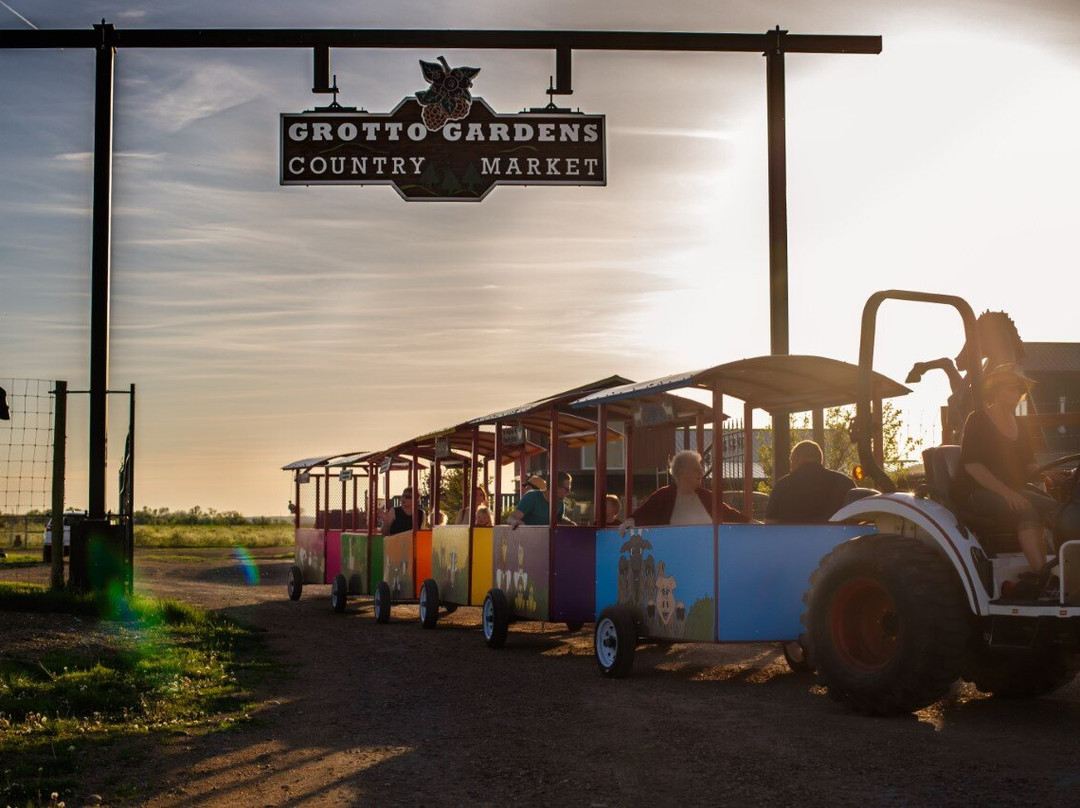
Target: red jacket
[657,509]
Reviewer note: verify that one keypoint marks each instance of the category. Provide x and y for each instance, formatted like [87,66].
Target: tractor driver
[996,461]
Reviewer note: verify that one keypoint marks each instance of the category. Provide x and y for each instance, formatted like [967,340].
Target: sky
[262,324]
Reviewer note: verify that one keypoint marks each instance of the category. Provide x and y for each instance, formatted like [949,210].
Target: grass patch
[173,558]
[15,560]
[156,667]
[277,534]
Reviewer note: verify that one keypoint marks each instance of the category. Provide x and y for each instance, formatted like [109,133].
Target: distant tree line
[198,516]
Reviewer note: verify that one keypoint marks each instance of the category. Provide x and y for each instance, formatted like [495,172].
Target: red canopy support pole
[718,452]
[296,514]
[553,508]
[748,459]
[386,488]
[344,502]
[373,500]
[600,481]
[414,483]
[701,434]
[628,456]
[553,476]
[496,516]
[472,489]
[436,490]
[354,514]
[326,498]
[318,499]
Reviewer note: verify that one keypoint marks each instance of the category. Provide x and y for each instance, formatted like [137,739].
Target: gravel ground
[369,714]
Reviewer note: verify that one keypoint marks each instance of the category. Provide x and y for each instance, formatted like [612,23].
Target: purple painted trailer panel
[574,580]
[333,555]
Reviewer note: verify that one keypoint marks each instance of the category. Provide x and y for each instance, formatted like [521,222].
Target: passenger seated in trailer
[684,502]
[481,502]
[483,517]
[399,518]
[811,493]
[612,510]
[996,461]
[533,507]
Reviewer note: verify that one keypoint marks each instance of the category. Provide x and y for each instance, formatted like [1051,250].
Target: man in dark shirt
[400,518]
[811,493]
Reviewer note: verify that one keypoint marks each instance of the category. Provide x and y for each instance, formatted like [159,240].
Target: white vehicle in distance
[69,518]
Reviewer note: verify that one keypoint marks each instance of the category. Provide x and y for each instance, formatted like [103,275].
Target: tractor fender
[934,524]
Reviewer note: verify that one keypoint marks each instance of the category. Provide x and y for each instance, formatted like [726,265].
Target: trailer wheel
[295,583]
[429,603]
[574,625]
[382,602]
[496,617]
[886,624]
[339,593]
[614,641]
[1019,674]
[797,657]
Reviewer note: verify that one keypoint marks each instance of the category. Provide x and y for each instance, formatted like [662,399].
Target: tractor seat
[941,464]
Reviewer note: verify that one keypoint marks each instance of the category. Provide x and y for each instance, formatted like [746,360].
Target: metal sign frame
[105,39]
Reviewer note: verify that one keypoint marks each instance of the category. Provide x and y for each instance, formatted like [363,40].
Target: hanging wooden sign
[441,144]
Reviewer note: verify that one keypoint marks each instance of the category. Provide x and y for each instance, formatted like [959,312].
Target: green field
[278,534]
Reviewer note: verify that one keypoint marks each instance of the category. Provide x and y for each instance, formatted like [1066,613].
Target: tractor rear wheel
[886,624]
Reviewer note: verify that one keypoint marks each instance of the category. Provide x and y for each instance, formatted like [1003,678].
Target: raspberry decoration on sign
[448,98]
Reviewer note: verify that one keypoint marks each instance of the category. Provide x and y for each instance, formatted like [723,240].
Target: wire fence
[26,450]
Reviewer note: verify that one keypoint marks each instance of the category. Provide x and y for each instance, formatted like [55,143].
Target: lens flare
[247,565]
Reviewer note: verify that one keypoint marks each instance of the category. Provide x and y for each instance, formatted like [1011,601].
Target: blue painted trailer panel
[665,574]
[763,571]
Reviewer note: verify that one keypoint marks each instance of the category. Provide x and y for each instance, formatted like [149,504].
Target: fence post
[59,462]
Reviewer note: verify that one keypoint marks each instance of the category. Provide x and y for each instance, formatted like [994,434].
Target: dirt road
[369,714]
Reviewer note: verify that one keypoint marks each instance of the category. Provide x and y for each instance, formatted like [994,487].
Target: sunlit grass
[14,560]
[277,534]
[156,667]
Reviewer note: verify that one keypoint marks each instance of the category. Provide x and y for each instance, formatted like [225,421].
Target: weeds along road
[366,714]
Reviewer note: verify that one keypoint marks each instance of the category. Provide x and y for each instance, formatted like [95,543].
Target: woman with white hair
[684,502]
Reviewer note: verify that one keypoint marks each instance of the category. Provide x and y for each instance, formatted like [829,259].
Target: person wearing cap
[996,462]
[534,506]
[533,483]
[400,518]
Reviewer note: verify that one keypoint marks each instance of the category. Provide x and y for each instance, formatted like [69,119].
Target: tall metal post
[101,256]
[59,469]
[129,538]
[778,244]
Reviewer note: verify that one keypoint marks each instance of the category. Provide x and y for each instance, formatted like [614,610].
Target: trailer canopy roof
[775,383]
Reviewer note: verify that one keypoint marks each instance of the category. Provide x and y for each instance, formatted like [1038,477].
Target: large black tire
[574,625]
[797,657]
[1010,674]
[429,603]
[886,623]
[496,618]
[614,641]
[295,583]
[382,602]
[339,593]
